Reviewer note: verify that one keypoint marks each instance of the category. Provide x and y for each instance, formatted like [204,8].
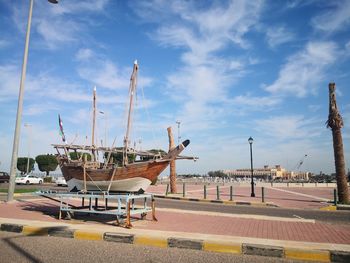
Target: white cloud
[55,32]
[200,32]
[304,70]
[73,7]
[336,19]
[84,54]
[44,85]
[4,43]
[288,127]
[9,84]
[106,74]
[278,35]
[56,24]
[314,108]
[256,102]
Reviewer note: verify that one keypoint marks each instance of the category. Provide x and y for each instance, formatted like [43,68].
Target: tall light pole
[29,126]
[250,140]
[178,132]
[11,188]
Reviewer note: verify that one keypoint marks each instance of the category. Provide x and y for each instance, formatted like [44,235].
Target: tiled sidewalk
[195,223]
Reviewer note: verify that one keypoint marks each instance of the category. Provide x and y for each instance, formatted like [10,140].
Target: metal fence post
[335,196]
[183,189]
[231,193]
[205,191]
[217,193]
[263,194]
[167,189]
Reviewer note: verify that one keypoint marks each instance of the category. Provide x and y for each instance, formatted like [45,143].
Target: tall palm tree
[335,122]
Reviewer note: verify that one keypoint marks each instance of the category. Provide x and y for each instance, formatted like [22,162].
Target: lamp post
[14,158]
[29,126]
[250,140]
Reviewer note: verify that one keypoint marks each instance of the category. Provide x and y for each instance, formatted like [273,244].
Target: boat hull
[134,177]
[125,185]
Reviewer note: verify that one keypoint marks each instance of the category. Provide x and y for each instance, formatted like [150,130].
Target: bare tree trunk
[335,122]
[173,189]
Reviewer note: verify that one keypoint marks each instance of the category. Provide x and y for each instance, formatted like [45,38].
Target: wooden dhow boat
[85,173]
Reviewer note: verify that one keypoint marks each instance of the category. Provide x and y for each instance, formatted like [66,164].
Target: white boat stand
[123,206]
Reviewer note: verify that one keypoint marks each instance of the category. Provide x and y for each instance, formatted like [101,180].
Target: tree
[22,163]
[335,122]
[77,155]
[154,151]
[219,174]
[117,157]
[46,163]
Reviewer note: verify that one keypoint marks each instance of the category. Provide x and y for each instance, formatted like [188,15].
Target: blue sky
[226,69]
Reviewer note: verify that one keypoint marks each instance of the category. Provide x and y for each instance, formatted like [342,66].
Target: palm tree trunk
[343,190]
[335,122]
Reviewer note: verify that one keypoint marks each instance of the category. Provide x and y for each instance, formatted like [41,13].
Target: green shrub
[48,179]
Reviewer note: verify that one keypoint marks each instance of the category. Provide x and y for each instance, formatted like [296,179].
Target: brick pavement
[47,210]
[288,197]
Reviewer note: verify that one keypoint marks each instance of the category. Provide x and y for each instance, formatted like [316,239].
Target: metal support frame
[123,208]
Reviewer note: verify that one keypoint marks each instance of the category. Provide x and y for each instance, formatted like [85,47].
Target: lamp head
[53,1]
[250,140]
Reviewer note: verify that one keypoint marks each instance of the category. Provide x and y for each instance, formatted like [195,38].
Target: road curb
[224,246]
[225,202]
[262,250]
[310,255]
[343,207]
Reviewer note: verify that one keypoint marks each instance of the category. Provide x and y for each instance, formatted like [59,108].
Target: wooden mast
[132,89]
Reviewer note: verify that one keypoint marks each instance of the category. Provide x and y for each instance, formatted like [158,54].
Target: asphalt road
[333,217]
[19,248]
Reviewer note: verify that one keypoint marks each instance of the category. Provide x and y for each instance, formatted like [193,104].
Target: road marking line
[296,193]
[247,216]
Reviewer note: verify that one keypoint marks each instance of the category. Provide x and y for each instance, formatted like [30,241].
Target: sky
[226,70]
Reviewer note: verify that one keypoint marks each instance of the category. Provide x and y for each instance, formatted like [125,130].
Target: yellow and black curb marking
[216,201]
[185,243]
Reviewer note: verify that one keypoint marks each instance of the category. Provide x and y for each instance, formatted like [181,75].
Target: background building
[268,173]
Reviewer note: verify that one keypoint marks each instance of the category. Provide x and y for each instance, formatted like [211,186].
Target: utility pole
[29,126]
[14,158]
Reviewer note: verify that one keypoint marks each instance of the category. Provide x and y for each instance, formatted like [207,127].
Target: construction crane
[300,163]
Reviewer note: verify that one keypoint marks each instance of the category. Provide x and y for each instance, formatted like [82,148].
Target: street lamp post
[29,126]
[250,140]
[14,158]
